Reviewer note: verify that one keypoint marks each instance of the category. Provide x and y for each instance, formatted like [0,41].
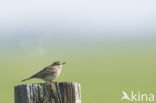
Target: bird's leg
[51,81]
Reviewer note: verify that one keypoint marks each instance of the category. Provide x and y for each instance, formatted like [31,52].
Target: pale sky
[89,18]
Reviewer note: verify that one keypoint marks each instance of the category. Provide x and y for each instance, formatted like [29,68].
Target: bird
[48,73]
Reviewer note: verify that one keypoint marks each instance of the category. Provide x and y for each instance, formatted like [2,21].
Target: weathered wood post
[57,92]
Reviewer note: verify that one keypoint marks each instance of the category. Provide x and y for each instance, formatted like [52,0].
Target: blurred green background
[103,69]
[109,45]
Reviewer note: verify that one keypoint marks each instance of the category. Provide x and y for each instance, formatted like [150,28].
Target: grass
[103,74]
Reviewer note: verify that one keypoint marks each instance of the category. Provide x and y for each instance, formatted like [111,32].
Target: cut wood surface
[57,92]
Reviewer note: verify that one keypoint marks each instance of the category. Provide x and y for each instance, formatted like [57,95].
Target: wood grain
[57,92]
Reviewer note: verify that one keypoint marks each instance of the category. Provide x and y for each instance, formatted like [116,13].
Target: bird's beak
[63,63]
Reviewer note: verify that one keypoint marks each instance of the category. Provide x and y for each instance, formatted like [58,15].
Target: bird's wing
[44,71]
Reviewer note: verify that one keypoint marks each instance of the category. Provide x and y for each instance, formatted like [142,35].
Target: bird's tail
[27,79]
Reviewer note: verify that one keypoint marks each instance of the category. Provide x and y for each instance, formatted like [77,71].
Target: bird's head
[58,63]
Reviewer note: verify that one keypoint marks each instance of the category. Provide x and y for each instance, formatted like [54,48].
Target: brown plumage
[48,73]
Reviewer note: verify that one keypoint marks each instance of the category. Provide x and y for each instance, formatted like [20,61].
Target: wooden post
[57,92]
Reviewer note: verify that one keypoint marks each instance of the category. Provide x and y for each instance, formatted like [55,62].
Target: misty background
[109,46]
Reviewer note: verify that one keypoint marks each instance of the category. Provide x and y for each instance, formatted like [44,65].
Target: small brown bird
[49,73]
